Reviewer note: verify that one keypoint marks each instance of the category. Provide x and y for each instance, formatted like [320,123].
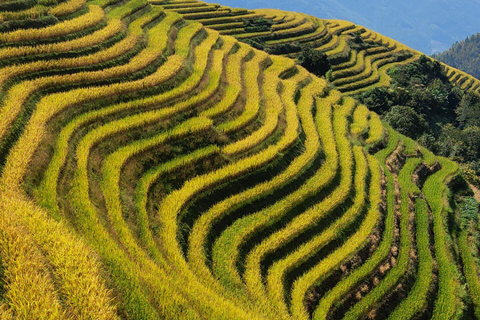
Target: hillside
[155,168]
[359,57]
[464,55]
[427,26]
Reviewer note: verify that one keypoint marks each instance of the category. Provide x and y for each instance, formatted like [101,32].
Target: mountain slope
[428,26]
[359,57]
[152,168]
[464,55]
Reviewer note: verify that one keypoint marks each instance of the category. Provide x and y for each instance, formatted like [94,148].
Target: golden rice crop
[367,70]
[90,19]
[470,270]
[149,178]
[273,107]
[252,105]
[331,44]
[306,27]
[172,204]
[225,19]
[277,272]
[435,190]
[14,169]
[376,130]
[29,288]
[364,271]
[417,296]
[18,94]
[401,266]
[360,120]
[201,226]
[234,83]
[112,28]
[297,20]
[112,166]
[226,249]
[66,8]
[319,32]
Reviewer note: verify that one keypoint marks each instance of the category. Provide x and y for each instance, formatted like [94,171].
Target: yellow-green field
[154,167]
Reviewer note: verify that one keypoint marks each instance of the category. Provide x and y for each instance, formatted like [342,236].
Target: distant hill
[464,55]
[428,26]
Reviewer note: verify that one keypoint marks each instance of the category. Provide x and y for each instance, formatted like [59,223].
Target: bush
[284,48]
[468,111]
[407,121]
[314,61]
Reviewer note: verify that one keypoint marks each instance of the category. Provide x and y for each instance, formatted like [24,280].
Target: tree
[407,121]
[314,61]
[468,111]
[379,99]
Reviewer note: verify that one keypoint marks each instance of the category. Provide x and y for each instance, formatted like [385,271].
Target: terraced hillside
[152,168]
[360,58]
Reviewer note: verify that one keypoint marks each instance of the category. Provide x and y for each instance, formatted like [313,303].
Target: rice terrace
[156,163]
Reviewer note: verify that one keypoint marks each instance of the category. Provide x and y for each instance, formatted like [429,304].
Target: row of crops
[152,168]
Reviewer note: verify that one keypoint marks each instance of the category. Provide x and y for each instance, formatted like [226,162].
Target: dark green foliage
[421,85]
[460,144]
[284,48]
[464,55]
[41,22]
[468,111]
[422,104]
[379,99]
[257,25]
[421,72]
[17,5]
[468,208]
[314,61]
[357,43]
[255,42]
[407,121]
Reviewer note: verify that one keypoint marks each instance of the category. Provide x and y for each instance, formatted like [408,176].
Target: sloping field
[152,168]
[355,68]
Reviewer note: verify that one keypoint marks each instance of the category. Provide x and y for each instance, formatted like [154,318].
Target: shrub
[314,61]
[406,121]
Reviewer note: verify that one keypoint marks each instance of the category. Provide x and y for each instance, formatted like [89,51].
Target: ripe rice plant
[18,95]
[417,297]
[289,134]
[277,273]
[152,168]
[112,166]
[304,28]
[234,79]
[297,19]
[66,8]
[92,18]
[29,288]
[252,105]
[373,297]
[320,31]
[48,185]
[367,70]
[360,120]
[470,270]
[273,107]
[435,191]
[112,28]
[353,279]
[145,184]
[376,130]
